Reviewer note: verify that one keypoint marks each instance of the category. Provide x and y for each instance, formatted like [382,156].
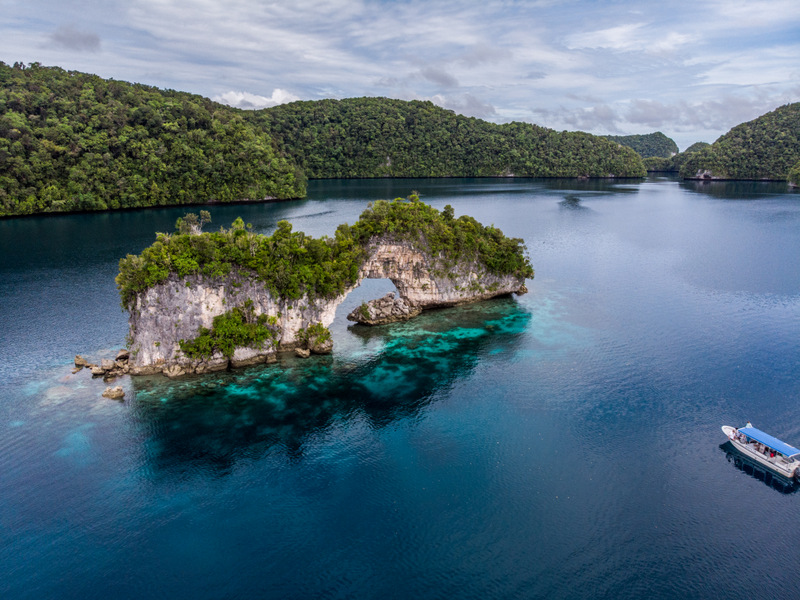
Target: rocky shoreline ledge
[108,369]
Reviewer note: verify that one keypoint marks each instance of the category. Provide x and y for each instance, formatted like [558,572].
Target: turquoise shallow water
[560,444]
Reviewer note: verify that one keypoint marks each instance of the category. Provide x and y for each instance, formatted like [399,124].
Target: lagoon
[560,444]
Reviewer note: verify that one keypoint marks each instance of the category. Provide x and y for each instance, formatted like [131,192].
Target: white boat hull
[754,451]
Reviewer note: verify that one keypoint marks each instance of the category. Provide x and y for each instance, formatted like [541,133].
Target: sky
[691,70]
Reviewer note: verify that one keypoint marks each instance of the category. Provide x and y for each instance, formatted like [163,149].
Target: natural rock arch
[166,314]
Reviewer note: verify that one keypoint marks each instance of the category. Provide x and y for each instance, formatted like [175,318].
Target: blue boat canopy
[768,440]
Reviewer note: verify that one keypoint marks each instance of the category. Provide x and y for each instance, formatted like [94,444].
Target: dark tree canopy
[381,137]
[71,141]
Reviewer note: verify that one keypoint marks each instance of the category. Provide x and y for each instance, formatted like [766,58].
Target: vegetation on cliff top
[765,148]
[381,137]
[292,265]
[72,142]
[647,145]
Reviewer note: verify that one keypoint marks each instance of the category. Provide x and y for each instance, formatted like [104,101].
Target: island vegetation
[381,137]
[674,163]
[71,141]
[76,142]
[292,264]
[765,148]
[794,175]
[647,145]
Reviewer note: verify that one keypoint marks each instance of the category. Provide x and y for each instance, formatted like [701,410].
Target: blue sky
[692,69]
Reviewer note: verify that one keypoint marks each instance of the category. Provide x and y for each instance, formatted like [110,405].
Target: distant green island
[72,141]
[380,137]
[648,145]
[672,164]
[766,148]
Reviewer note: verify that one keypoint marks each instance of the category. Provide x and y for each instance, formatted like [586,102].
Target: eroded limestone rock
[384,310]
[115,393]
[162,316]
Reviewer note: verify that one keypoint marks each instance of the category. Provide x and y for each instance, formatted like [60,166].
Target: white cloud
[248,100]
[631,37]
[671,66]
[620,37]
[773,65]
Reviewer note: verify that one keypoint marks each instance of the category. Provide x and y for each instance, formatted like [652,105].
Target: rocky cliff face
[176,310]
[427,281]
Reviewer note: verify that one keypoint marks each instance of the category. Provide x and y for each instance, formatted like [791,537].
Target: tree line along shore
[72,141]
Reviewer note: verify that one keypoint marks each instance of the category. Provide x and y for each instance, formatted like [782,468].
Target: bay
[561,444]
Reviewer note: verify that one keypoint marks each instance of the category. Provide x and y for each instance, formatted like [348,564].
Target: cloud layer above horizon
[691,70]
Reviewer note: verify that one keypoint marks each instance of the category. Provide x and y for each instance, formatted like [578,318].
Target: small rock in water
[98,371]
[325,347]
[174,371]
[384,310]
[302,352]
[115,393]
[107,364]
[80,362]
[123,355]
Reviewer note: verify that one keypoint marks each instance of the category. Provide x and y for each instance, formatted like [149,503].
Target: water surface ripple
[561,444]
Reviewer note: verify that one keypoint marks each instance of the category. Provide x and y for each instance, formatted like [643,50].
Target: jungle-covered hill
[647,145]
[674,163]
[765,148]
[71,141]
[380,137]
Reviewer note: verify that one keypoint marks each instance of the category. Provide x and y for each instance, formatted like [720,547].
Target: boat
[765,450]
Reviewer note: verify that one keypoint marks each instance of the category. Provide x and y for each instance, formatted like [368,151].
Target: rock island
[201,302]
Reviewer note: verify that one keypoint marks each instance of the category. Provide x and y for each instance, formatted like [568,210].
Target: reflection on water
[572,202]
[458,187]
[755,470]
[214,421]
[736,190]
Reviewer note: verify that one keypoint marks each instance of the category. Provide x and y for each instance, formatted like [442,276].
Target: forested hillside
[765,148]
[673,164]
[647,145]
[380,137]
[794,175]
[71,141]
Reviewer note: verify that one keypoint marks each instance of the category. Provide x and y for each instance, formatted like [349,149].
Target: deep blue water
[560,444]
